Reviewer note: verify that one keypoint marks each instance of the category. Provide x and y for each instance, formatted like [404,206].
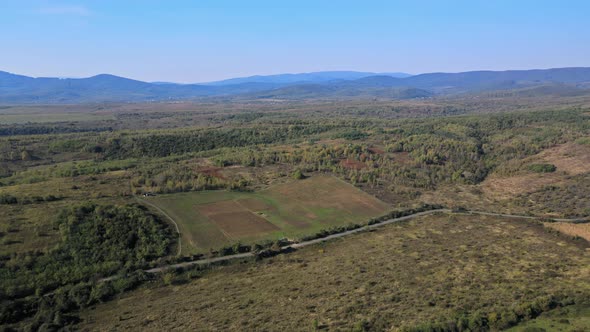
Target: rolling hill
[314,77]
[18,89]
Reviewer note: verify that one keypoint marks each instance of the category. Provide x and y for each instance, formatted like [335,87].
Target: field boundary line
[302,244]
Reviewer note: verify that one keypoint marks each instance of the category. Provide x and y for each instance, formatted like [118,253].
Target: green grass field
[216,218]
[573,318]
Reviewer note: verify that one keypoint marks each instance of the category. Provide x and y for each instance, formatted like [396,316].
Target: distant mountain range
[315,77]
[18,89]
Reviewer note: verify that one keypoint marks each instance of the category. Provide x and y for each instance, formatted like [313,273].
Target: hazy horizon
[282,73]
[185,42]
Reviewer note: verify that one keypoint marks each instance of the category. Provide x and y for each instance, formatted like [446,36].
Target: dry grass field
[518,190]
[571,158]
[581,230]
[397,276]
[508,187]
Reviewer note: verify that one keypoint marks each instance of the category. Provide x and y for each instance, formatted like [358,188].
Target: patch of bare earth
[212,171]
[352,164]
[242,224]
[507,187]
[571,158]
[375,150]
[581,230]
[329,192]
[217,207]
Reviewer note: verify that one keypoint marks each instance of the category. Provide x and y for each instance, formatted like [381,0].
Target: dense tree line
[169,178]
[500,319]
[165,144]
[96,240]
[13,130]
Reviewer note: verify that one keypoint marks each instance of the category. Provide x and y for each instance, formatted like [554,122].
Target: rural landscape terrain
[463,208]
[286,166]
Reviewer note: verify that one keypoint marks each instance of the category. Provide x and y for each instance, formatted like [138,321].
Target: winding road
[302,244]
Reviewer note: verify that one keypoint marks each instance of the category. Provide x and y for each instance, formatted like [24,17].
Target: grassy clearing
[574,318]
[401,275]
[29,225]
[216,218]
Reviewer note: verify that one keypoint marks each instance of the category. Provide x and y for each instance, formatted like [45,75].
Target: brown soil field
[242,224]
[342,200]
[211,209]
[352,164]
[333,195]
[581,230]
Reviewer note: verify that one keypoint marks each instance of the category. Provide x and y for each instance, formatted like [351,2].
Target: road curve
[302,244]
[294,245]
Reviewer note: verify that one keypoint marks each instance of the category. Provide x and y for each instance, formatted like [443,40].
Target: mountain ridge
[290,78]
[15,89]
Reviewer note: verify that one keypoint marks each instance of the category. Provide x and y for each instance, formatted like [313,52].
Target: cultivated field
[212,219]
[431,268]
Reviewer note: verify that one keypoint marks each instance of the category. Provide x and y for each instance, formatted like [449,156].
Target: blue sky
[197,41]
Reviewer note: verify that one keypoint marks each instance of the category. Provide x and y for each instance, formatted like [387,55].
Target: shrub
[542,168]
[298,175]
[7,199]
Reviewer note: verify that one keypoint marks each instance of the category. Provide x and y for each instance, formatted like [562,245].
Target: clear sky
[202,40]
